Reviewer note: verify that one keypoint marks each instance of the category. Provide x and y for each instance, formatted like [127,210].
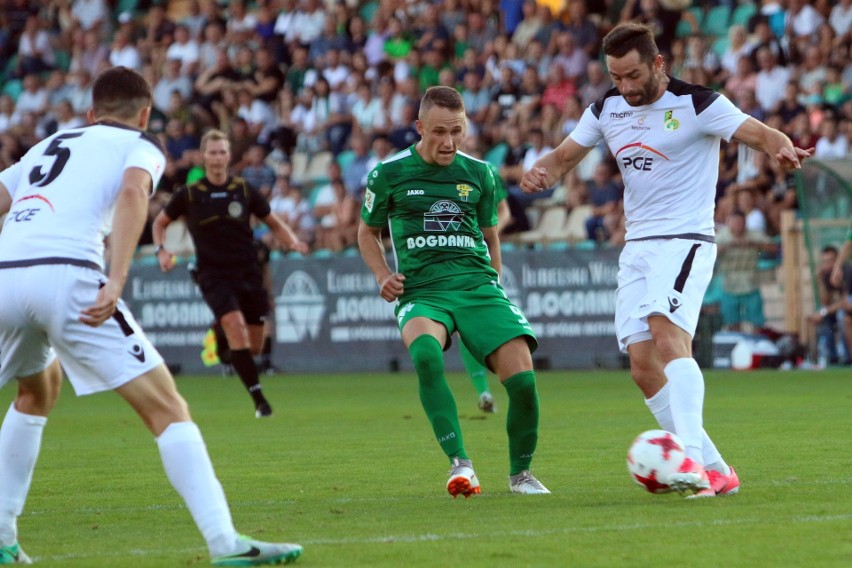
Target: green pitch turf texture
[348,467]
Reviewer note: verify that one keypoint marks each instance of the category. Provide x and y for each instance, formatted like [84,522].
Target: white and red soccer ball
[652,459]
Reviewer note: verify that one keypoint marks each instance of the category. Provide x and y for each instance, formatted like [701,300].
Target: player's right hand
[104,305]
[836,277]
[392,287]
[535,180]
[167,260]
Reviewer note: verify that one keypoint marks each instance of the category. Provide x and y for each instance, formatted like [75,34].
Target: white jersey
[668,154]
[64,191]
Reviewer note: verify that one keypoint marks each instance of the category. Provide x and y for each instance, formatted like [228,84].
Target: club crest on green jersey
[443,216]
[464,191]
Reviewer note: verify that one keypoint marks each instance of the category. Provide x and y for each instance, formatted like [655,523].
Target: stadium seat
[549,227]
[63,59]
[178,240]
[574,229]
[743,13]
[368,10]
[720,45]
[299,163]
[13,88]
[716,23]
[497,154]
[317,170]
[684,28]
[345,158]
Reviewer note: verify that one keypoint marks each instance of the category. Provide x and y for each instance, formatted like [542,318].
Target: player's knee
[427,356]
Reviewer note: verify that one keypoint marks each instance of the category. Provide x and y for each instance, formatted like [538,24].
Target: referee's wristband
[159,249]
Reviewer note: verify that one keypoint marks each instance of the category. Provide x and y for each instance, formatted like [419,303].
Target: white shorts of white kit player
[663,276]
[40,309]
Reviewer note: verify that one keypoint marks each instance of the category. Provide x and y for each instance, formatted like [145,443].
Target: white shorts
[40,309]
[662,276]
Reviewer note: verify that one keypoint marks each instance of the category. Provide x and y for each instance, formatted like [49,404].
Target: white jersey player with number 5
[665,136]
[64,196]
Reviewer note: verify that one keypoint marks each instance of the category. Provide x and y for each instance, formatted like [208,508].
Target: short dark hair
[120,92]
[830,249]
[444,97]
[624,38]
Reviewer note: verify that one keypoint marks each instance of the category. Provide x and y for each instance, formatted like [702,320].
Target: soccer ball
[653,457]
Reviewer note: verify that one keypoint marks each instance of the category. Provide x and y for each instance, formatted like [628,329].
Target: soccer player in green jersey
[440,207]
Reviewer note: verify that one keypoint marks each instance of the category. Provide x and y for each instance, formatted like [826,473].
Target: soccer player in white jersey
[665,136]
[62,198]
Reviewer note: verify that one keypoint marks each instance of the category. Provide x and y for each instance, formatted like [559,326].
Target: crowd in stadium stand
[313,94]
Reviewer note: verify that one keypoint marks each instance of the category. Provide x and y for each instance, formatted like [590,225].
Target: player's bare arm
[836,277]
[370,244]
[492,241]
[550,168]
[773,142]
[5,200]
[284,234]
[158,233]
[131,208]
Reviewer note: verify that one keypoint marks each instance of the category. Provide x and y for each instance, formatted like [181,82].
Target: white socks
[190,471]
[659,407]
[20,442]
[678,407]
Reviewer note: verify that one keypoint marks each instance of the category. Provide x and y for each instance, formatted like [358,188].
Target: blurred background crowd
[313,93]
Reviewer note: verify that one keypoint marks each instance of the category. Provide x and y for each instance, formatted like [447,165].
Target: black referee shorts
[243,291]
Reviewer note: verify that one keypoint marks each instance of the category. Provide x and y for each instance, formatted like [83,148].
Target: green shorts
[483,316]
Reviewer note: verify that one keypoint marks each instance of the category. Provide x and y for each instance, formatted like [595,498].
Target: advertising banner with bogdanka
[327,315]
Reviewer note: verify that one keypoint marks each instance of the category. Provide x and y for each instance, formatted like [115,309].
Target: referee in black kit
[218,211]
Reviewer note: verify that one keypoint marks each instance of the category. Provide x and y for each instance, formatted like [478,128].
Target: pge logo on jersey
[643,161]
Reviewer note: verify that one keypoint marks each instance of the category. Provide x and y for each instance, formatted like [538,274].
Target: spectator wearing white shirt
[308,24]
[831,144]
[80,91]
[66,118]
[123,52]
[170,81]
[33,99]
[286,19]
[241,22]
[35,52]
[840,19]
[771,80]
[90,14]
[90,55]
[212,46]
[738,47]
[802,19]
[185,49]
[335,71]
[367,110]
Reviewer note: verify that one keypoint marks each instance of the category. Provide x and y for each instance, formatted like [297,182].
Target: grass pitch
[348,467]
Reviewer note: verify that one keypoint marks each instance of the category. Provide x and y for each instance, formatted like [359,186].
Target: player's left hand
[104,306]
[791,158]
[299,246]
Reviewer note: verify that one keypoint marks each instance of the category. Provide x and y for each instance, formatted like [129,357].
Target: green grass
[348,467]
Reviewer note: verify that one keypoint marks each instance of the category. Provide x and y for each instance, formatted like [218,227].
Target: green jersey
[434,214]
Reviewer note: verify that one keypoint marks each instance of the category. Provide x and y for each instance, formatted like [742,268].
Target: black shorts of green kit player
[483,316]
[228,291]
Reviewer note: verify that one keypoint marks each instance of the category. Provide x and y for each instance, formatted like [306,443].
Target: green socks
[435,395]
[522,420]
[477,373]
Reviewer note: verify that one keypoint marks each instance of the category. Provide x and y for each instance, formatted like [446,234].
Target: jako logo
[299,309]
[416,192]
